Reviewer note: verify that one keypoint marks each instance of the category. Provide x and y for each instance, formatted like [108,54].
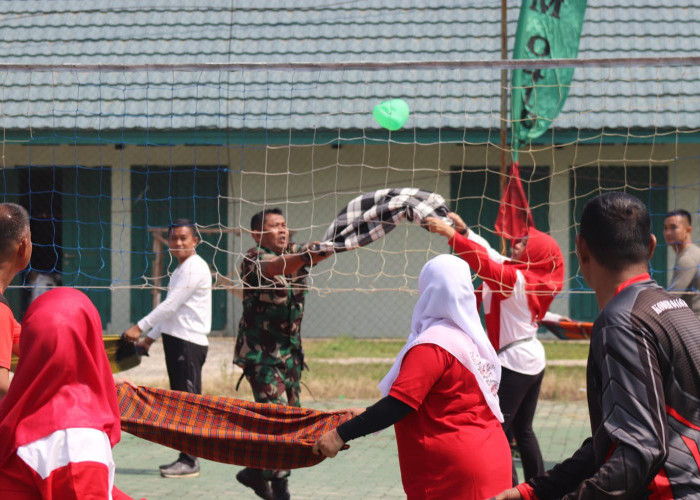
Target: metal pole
[619,62]
[504,102]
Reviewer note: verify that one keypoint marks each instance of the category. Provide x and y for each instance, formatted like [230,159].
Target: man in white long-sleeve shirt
[184,321]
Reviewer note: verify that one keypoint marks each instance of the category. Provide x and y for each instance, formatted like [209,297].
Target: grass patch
[348,347]
[328,380]
[358,380]
[566,349]
[347,381]
[322,381]
[564,383]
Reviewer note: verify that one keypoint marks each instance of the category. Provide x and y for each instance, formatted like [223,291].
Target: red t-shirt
[9,335]
[452,446]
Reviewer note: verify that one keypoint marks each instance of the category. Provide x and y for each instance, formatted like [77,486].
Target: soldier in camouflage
[268,347]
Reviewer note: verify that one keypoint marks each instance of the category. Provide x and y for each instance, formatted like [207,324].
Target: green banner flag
[547,29]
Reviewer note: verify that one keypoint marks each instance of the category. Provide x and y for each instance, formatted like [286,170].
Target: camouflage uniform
[268,347]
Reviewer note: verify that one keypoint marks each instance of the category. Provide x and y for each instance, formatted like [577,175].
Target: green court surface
[368,470]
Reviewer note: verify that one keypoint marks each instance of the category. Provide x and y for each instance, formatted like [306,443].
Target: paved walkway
[368,470]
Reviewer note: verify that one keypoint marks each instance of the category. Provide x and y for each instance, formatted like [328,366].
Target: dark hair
[257,221]
[14,224]
[680,212]
[617,229]
[183,223]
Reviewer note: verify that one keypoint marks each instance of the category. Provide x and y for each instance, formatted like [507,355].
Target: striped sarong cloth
[228,430]
[371,215]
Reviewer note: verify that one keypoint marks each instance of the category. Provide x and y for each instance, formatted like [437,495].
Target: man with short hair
[686,270]
[268,347]
[15,252]
[184,320]
[643,382]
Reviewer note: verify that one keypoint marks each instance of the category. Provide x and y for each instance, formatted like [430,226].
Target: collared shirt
[186,311]
[269,330]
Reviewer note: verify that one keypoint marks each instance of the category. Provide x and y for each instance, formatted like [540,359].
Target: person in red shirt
[516,293]
[441,396]
[60,417]
[15,252]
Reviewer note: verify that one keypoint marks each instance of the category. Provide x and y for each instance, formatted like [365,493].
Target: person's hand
[119,381]
[222,281]
[436,225]
[552,316]
[133,333]
[354,411]
[317,256]
[328,445]
[145,343]
[460,225]
[511,494]
[228,283]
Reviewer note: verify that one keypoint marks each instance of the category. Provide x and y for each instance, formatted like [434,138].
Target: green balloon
[391,114]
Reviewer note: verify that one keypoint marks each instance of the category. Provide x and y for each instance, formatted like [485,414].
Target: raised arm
[484,261]
[292,262]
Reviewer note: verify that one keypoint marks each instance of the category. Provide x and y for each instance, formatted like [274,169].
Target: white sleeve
[180,290]
[155,331]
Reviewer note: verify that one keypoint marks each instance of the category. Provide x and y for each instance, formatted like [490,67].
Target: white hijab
[446,315]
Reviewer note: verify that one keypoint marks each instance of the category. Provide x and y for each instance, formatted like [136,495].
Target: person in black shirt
[643,378]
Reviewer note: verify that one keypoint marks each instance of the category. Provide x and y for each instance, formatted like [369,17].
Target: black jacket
[644,400]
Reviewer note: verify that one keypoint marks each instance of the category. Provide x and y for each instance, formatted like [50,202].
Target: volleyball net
[106,157]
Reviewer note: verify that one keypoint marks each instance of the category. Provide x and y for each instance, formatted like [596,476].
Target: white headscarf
[446,315]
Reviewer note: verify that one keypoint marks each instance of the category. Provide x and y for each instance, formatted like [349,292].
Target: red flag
[514,215]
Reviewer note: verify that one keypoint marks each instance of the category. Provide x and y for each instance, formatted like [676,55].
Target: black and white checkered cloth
[370,216]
